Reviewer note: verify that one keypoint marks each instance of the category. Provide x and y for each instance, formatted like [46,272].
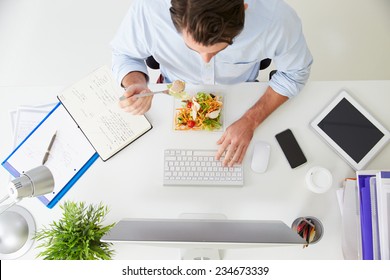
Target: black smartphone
[291,148]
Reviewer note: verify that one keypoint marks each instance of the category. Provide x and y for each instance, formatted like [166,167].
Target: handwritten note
[93,104]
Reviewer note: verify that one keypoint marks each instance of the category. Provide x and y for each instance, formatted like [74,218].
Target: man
[213,42]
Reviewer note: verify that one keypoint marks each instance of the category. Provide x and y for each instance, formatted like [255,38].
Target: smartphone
[291,148]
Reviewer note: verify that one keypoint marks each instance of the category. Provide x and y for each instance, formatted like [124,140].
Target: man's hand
[134,105]
[135,83]
[235,141]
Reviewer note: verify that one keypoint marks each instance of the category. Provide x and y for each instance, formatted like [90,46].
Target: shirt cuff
[126,65]
[288,84]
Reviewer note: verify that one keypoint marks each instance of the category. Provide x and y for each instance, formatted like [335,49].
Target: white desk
[131,182]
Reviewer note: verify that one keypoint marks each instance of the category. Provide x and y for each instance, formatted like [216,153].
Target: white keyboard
[199,167]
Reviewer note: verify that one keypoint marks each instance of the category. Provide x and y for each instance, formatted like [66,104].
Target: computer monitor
[203,238]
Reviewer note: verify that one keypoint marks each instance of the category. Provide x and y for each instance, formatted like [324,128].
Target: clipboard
[71,154]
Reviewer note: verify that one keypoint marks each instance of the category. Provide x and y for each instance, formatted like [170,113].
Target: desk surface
[131,182]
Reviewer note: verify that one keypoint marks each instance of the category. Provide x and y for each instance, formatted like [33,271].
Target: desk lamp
[17,225]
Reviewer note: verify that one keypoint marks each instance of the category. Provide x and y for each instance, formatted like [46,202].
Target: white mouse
[260,156]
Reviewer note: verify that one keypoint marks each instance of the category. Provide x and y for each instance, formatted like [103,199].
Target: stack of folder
[366,216]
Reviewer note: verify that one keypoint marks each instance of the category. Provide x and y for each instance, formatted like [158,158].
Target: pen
[49,148]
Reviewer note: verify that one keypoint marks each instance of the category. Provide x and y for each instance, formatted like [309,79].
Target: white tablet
[349,129]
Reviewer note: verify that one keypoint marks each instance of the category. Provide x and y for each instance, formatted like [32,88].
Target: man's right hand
[136,106]
[135,83]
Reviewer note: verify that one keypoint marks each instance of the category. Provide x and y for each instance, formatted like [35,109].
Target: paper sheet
[25,118]
[350,222]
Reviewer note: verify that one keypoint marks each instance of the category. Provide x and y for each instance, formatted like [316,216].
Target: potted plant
[76,236]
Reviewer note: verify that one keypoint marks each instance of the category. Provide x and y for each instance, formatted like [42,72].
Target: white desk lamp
[17,225]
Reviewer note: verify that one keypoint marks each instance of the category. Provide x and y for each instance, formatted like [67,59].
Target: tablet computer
[350,130]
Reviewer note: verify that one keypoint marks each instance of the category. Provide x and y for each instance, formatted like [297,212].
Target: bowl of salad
[203,111]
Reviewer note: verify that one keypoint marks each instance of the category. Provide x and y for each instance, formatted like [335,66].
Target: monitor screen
[193,232]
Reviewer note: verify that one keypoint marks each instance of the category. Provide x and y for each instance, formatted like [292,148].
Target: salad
[200,112]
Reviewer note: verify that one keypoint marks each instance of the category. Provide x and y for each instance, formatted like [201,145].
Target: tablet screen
[351,130]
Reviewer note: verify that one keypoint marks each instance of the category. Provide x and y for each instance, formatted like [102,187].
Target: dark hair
[209,21]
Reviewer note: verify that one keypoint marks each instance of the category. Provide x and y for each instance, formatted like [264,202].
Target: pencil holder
[309,228]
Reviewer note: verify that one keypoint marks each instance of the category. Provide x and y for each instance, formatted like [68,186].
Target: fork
[146,94]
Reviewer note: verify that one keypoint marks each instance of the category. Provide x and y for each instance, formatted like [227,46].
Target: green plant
[76,236]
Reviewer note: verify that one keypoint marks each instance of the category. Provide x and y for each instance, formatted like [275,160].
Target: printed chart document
[93,104]
[26,119]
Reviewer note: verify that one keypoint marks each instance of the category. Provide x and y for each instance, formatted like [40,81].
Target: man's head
[208,26]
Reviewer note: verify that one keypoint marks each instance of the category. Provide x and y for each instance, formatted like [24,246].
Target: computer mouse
[260,156]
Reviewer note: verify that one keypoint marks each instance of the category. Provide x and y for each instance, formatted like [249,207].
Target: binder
[374,219]
[70,157]
[383,207]
[366,223]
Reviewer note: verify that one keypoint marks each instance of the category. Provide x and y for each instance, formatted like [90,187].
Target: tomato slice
[191,123]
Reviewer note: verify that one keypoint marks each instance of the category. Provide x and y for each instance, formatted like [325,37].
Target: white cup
[319,179]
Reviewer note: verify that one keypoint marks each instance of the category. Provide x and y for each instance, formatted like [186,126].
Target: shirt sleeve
[132,43]
[290,53]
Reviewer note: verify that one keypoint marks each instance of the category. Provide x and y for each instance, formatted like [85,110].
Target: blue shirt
[272,30]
